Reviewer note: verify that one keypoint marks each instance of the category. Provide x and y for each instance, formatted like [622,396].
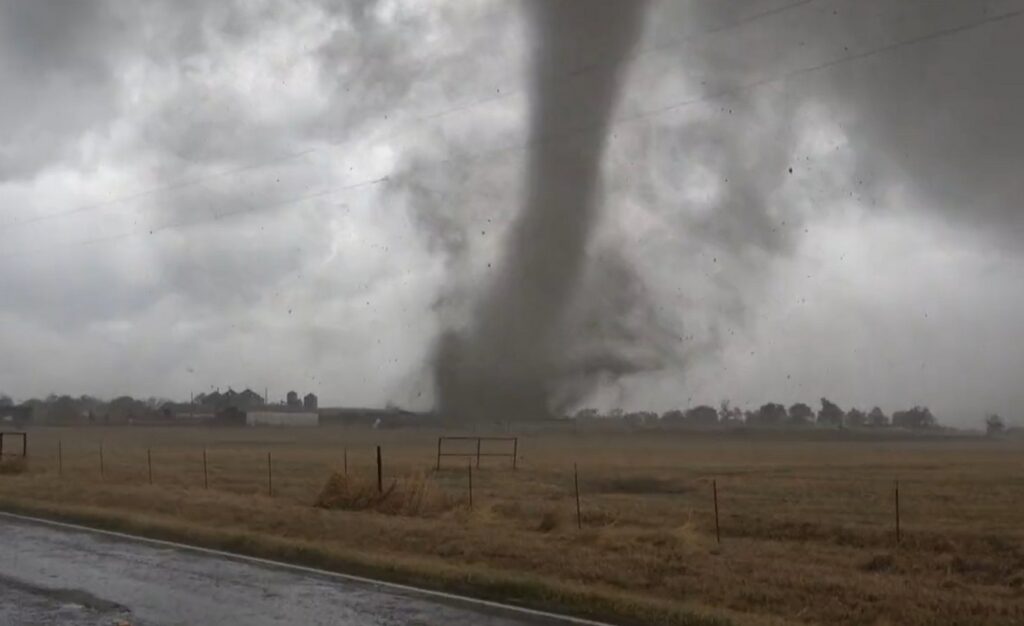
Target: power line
[555,137]
[216,218]
[580,130]
[179,184]
[636,53]
[426,118]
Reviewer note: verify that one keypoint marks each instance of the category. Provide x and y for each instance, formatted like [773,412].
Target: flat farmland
[807,520]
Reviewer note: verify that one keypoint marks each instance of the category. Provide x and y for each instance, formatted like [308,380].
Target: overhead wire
[551,139]
[416,120]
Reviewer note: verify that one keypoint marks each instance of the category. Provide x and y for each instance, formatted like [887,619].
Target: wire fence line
[587,491]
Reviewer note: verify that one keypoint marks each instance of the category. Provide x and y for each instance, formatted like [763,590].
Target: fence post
[469,466]
[896,493]
[149,463]
[101,460]
[380,473]
[718,528]
[438,468]
[270,477]
[60,458]
[344,460]
[515,451]
[206,475]
[478,440]
[576,482]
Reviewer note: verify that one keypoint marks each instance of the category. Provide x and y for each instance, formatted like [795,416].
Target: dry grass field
[807,526]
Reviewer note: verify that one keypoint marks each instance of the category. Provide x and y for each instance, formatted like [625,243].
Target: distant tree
[63,409]
[6,400]
[855,418]
[877,418]
[616,414]
[675,416]
[729,414]
[994,425]
[770,414]
[916,418]
[639,418]
[586,414]
[154,403]
[801,414]
[702,415]
[830,414]
[126,408]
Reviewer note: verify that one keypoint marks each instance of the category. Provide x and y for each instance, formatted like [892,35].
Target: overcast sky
[811,198]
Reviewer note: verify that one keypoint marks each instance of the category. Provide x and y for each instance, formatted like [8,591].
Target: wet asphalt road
[51,575]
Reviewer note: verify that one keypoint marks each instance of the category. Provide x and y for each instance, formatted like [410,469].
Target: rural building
[230,399]
[293,401]
[309,402]
[268,417]
[17,415]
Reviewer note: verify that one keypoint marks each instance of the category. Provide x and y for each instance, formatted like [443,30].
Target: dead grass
[415,495]
[807,526]
[13,466]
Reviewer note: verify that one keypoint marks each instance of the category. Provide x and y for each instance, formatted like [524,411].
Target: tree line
[777,415]
[58,409]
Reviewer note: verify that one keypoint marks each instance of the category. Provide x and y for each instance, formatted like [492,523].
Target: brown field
[807,526]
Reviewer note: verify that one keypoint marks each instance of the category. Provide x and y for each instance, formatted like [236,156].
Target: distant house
[230,399]
[309,402]
[293,401]
[249,398]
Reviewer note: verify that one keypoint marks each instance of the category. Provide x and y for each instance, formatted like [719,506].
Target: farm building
[16,414]
[266,417]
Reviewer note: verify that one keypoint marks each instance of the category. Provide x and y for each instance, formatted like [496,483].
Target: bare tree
[994,425]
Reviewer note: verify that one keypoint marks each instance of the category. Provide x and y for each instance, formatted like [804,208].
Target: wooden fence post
[149,463]
[344,460]
[206,474]
[896,494]
[380,473]
[469,466]
[718,528]
[515,451]
[60,458]
[438,467]
[576,482]
[270,477]
[478,440]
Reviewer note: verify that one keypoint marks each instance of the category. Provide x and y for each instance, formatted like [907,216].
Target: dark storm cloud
[53,53]
[925,93]
[697,208]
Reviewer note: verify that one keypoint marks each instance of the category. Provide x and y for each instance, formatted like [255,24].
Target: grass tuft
[412,496]
[13,466]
